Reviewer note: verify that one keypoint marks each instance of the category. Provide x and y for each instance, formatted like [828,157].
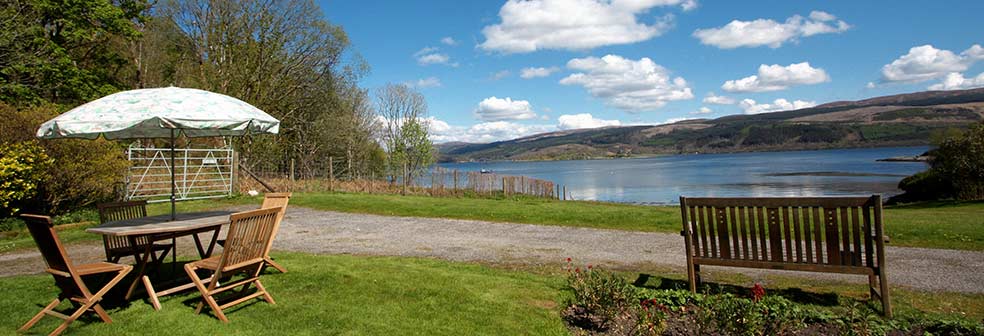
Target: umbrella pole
[173,215]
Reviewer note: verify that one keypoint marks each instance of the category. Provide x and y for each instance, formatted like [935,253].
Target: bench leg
[696,281]
[886,303]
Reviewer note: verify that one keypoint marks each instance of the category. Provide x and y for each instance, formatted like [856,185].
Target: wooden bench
[815,234]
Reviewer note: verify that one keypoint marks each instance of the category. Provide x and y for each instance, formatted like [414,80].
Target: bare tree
[404,130]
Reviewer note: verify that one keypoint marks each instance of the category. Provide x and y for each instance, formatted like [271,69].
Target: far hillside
[899,120]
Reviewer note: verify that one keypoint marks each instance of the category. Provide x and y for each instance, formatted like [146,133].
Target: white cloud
[485,132]
[500,75]
[528,26]
[702,110]
[751,107]
[430,55]
[712,98]
[674,120]
[496,109]
[583,120]
[925,62]
[433,59]
[426,82]
[528,73]
[767,32]
[870,85]
[449,41]
[627,84]
[776,77]
[956,81]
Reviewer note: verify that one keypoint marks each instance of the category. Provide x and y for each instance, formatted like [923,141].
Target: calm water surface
[664,179]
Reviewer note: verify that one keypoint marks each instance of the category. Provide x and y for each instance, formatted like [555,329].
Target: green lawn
[357,295]
[935,225]
[334,295]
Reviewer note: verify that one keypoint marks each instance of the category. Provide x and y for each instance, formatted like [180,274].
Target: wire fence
[436,181]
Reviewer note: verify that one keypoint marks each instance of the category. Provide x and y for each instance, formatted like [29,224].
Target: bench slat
[845,237]
[721,219]
[784,266]
[798,238]
[867,240]
[830,229]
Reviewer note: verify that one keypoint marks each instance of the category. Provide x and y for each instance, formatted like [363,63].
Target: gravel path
[307,230]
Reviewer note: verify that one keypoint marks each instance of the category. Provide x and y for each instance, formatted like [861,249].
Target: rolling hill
[897,120]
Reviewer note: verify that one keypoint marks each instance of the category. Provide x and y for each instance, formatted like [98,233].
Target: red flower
[577,270]
[568,259]
[757,292]
[589,266]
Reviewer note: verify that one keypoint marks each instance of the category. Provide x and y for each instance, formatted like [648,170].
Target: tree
[959,159]
[64,51]
[403,111]
[281,56]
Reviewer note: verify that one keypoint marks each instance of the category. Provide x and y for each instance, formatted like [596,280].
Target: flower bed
[604,303]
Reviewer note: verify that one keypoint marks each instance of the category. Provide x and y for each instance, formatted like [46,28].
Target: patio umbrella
[160,113]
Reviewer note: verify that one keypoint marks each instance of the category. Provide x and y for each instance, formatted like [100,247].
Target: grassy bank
[934,225]
[333,295]
[355,295]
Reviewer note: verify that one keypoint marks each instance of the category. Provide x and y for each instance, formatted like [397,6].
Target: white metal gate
[199,173]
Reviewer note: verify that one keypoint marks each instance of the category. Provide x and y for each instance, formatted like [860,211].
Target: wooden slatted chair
[273,200]
[119,247]
[246,244]
[68,276]
[814,234]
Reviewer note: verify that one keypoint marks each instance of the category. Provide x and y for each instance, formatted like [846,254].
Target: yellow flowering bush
[22,168]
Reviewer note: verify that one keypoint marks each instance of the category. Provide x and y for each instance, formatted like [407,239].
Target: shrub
[958,159]
[82,172]
[22,169]
[600,292]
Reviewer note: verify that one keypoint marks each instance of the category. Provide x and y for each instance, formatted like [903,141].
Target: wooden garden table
[158,228]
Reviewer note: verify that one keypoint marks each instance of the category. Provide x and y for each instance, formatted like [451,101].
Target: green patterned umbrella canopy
[153,113]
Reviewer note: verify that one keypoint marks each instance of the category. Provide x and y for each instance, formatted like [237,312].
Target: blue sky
[622,62]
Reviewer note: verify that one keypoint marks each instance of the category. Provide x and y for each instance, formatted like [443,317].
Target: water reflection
[664,179]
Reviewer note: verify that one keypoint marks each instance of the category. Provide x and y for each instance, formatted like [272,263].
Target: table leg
[202,251]
[143,265]
[151,293]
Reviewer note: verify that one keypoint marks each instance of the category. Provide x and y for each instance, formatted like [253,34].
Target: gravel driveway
[307,230]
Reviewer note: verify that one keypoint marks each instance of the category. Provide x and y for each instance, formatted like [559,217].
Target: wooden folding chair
[249,236]
[273,200]
[68,276]
[118,247]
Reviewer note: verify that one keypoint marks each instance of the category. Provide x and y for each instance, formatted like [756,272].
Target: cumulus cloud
[630,85]
[485,132]
[751,107]
[583,120]
[496,109]
[431,55]
[426,82]
[531,25]
[500,75]
[528,73]
[702,110]
[776,77]
[956,81]
[925,62]
[449,41]
[767,32]
[712,98]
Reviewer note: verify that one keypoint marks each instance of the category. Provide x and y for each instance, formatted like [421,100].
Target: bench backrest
[841,231]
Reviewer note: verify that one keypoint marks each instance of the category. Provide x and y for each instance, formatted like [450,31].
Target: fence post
[331,175]
[404,190]
[292,170]
[504,191]
[565,193]
[455,190]
[372,176]
[234,180]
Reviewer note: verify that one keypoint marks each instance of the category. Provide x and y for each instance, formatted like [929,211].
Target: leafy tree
[404,132]
[960,160]
[64,51]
